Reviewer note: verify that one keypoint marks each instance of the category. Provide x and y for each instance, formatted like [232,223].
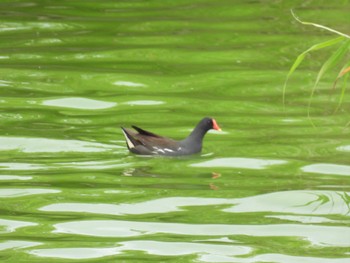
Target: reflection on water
[12,193]
[211,252]
[144,102]
[204,252]
[12,225]
[129,84]
[33,145]
[21,166]
[14,177]
[75,253]
[296,202]
[327,168]
[279,258]
[304,219]
[29,26]
[247,163]
[79,103]
[345,148]
[316,234]
[163,205]
[269,188]
[95,165]
[17,244]
[304,205]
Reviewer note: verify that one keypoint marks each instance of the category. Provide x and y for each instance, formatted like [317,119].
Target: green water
[269,188]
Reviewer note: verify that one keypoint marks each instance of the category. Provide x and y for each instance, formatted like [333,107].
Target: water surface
[270,188]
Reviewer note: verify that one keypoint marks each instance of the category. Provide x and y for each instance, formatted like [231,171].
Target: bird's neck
[196,135]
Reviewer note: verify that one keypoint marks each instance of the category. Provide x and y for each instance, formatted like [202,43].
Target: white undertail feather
[130,144]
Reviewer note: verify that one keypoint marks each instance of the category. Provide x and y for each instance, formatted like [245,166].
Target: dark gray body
[146,143]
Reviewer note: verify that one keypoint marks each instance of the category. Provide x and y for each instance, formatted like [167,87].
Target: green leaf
[301,57]
[318,25]
[331,62]
[343,72]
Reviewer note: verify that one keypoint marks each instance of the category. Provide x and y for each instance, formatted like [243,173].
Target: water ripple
[4,177]
[129,84]
[315,234]
[246,163]
[16,244]
[327,168]
[18,192]
[162,205]
[144,102]
[345,148]
[34,145]
[75,253]
[11,225]
[95,165]
[79,103]
[296,202]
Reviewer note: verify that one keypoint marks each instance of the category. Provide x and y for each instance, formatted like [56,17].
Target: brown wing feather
[149,140]
[161,142]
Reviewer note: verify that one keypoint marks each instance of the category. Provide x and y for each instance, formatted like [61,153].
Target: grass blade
[301,57]
[342,94]
[332,61]
[318,25]
[343,72]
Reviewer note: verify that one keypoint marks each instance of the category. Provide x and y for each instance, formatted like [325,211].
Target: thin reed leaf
[342,94]
[331,62]
[318,25]
[301,57]
[342,72]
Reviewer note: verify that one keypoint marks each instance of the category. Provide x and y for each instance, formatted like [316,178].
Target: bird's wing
[147,133]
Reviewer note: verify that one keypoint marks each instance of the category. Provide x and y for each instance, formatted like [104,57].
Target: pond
[273,186]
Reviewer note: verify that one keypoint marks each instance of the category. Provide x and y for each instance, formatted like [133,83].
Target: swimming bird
[147,143]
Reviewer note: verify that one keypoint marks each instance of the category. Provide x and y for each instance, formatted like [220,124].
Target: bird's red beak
[216,126]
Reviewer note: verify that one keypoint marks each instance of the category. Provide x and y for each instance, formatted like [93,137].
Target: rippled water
[270,188]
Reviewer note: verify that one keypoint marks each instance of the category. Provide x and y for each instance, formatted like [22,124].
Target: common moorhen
[148,143]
